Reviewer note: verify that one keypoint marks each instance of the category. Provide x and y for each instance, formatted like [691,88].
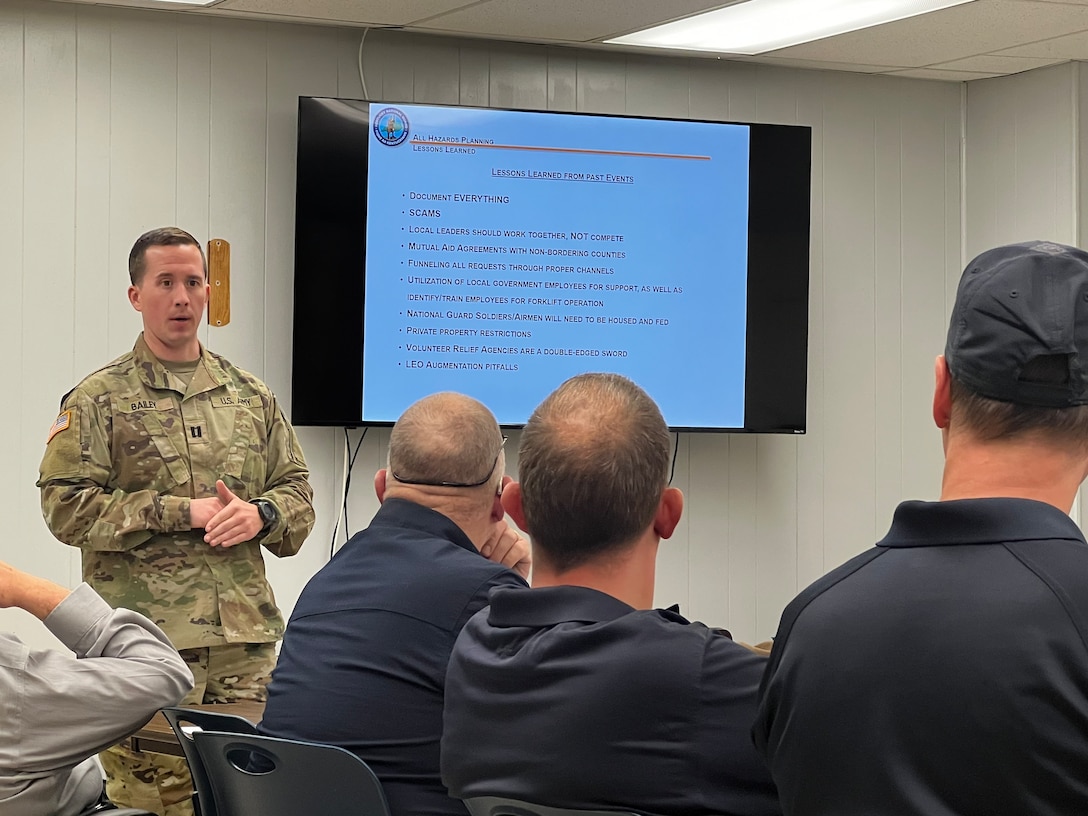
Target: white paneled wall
[116,120]
[1021,167]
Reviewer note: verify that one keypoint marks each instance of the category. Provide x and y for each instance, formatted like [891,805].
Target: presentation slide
[507,251]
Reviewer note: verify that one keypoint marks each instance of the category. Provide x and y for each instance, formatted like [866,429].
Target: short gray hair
[446,437]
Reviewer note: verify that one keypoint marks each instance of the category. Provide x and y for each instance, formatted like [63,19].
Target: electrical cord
[349,464]
[362,79]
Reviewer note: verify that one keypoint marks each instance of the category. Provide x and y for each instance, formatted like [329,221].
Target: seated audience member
[577,693]
[364,656]
[57,711]
[945,671]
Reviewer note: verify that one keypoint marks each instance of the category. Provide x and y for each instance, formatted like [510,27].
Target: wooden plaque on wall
[219,280]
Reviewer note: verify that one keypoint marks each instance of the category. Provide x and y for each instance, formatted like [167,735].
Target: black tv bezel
[330,258]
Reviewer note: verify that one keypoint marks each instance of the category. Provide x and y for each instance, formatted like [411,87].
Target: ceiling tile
[565,20]
[1070,47]
[980,38]
[989,63]
[817,65]
[944,76]
[370,12]
[953,33]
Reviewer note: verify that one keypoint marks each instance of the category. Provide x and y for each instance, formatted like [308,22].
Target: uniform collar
[549,606]
[208,375]
[977,521]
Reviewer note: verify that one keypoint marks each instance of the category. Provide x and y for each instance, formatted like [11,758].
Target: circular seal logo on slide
[391,126]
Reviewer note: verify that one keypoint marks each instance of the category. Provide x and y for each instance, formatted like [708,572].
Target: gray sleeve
[72,708]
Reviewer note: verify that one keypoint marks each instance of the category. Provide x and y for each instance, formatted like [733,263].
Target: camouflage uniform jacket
[131,447]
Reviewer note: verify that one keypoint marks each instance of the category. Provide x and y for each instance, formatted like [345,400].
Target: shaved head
[446,438]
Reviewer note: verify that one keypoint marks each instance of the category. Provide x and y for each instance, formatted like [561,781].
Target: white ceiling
[980,39]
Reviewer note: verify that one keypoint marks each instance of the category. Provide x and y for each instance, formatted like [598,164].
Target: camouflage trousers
[160,783]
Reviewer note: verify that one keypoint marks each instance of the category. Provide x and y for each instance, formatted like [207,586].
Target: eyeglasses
[426,483]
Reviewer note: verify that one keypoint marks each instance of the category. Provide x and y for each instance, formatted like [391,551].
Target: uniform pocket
[239,418]
[146,457]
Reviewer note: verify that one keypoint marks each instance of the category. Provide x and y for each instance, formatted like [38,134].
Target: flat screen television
[499,252]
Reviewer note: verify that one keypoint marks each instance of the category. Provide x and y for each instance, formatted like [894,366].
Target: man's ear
[379,485]
[498,512]
[134,298]
[942,393]
[669,510]
[511,502]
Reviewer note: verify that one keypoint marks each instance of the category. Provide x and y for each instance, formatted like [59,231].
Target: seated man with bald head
[364,657]
[577,693]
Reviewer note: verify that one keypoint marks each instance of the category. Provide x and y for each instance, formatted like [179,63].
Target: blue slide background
[684,224]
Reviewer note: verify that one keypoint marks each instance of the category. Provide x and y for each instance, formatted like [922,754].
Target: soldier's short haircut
[592,465]
[163,236]
[447,438]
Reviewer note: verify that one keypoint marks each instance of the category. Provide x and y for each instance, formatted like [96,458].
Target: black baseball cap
[1019,329]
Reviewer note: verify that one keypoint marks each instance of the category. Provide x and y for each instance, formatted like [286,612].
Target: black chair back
[504,806]
[182,720]
[267,776]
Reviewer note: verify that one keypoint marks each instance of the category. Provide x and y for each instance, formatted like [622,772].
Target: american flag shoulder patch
[63,423]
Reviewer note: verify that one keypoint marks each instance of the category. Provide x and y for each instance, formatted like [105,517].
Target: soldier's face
[171,297]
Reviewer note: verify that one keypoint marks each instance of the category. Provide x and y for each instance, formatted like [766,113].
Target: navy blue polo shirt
[568,697]
[363,661]
[944,672]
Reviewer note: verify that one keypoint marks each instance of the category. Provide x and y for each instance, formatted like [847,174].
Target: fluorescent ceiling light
[758,26]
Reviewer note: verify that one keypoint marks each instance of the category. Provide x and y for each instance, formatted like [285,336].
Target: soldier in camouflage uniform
[170,468]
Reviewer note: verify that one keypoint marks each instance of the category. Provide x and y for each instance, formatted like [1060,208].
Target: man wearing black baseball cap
[945,671]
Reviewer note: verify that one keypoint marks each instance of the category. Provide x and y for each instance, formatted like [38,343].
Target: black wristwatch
[269,514]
